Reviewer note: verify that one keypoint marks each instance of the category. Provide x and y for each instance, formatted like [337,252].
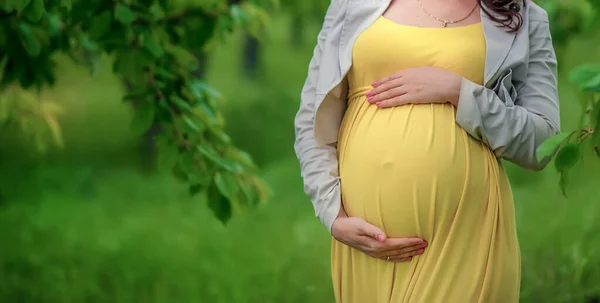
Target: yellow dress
[412,171]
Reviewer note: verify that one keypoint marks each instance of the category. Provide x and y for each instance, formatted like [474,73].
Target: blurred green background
[95,223]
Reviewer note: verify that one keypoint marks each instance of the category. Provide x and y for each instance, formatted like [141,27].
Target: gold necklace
[446,22]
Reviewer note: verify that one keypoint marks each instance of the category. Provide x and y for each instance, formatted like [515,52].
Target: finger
[397,246]
[370,230]
[393,102]
[398,243]
[387,250]
[390,259]
[407,254]
[383,80]
[384,87]
[391,93]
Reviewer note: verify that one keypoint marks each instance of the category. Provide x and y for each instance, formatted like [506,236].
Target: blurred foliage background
[94,208]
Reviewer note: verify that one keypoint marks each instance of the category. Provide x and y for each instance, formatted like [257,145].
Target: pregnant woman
[407,108]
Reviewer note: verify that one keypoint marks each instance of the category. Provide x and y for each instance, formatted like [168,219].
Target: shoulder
[536,13]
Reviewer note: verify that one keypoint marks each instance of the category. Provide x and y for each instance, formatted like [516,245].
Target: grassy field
[90,224]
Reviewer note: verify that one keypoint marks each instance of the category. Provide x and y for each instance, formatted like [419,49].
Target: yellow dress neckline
[472,25]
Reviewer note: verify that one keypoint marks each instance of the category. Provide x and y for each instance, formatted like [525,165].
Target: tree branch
[160,95]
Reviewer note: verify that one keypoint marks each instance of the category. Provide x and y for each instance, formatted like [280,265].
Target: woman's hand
[416,86]
[371,240]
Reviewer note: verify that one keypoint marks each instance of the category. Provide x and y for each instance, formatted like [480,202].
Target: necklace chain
[446,22]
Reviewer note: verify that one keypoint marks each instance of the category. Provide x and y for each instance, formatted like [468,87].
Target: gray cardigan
[513,113]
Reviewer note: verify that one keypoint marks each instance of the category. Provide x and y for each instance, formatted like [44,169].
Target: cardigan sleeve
[514,129]
[319,164]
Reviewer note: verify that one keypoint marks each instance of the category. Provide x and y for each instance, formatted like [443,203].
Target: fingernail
[378,104]
[374,83]
[424,244]
[368,94]
[380,237]
[420,251]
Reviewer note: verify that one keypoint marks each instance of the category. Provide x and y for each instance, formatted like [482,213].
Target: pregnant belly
[408,169]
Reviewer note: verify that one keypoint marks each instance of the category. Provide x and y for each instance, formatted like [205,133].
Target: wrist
[342,213]
[454,92]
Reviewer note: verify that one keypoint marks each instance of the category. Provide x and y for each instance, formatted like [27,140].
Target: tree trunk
[251,55]
[297,31]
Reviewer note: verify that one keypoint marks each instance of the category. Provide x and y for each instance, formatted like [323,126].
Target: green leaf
[86,43]
[220,135]
[17,5]
[202,88]
[151,45]
[194,189]
[143,117]
[100,24]
[200,177]
[225,25]
[182,56]
[219,204]
[563,182]
[189,121]
[250,192]
[68,4]
[165,74]
[181,104]
[548,147]
[124,14]
[586,77]
[137,93]
[239,15]
[596,118]
[156,10]
[35,11]
[28,40]
[54,25]
[227,183]
[211,154]
[243,158]
[131,64]
[567,157]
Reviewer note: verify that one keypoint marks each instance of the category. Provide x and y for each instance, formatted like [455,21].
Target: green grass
[142,239]
[88,225]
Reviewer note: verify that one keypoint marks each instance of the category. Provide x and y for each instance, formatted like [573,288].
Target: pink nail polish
[369,98]
[378,104]
[368,94]
[380,237]
[374,83]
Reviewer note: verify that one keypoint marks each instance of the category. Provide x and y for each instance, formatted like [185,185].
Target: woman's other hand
[365,237]
[416,86]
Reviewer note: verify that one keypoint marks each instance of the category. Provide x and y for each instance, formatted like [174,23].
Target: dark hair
[504,12]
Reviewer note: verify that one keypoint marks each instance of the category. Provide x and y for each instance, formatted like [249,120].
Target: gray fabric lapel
[498,43]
